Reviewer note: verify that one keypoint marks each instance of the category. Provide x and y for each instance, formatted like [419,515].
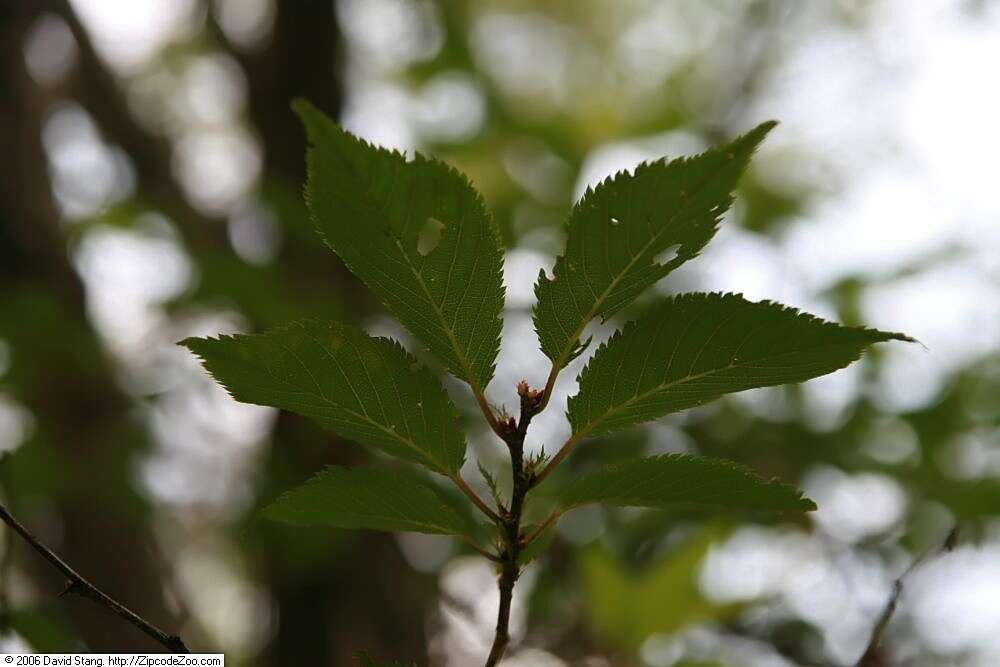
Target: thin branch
[511,568]
[488,413]
[871,658]
[563,452]
[554,516]
[550,384]
[77,584]
[7,557]
[477,547]
[5,562]
[474,497]
[507,580]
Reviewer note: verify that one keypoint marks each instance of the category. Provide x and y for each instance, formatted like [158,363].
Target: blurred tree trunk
[367,598]
[370,599]
[64,379]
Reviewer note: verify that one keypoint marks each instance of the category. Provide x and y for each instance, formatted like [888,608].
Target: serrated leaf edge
[440,467]
[808,505]
[882,336]
[469,529]
[572,349]
[303,107]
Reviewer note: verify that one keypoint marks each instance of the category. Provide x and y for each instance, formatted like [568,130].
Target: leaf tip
[880,336]
[188,342]
[754,137]
[313,118]
[896,335]
[303,107]
[197,345]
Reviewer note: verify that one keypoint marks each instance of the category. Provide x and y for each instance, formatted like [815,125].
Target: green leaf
[661,481]
[693,348]
[43,628]
[618,231]
[967,499]
[625,608]
[366,498]
[364,388]
[419,235]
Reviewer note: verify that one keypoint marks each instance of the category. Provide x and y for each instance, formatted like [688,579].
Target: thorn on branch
[176,644]
[71,588]
[76,584]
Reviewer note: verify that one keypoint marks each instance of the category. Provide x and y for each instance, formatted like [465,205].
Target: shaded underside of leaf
[365,498]
[661,481]
[418,235]
[363,388]
[694,348]
[618,230]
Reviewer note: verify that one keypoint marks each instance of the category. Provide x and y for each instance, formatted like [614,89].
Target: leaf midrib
[592,313]
[447,530]
[677,488]
[443,323]
[456,348]
[364,417]
[687,378]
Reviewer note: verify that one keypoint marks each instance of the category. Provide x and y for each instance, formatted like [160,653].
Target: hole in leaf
[429,236]
[668,254]
[615,222]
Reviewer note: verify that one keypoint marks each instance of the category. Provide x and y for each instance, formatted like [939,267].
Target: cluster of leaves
[420,237]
